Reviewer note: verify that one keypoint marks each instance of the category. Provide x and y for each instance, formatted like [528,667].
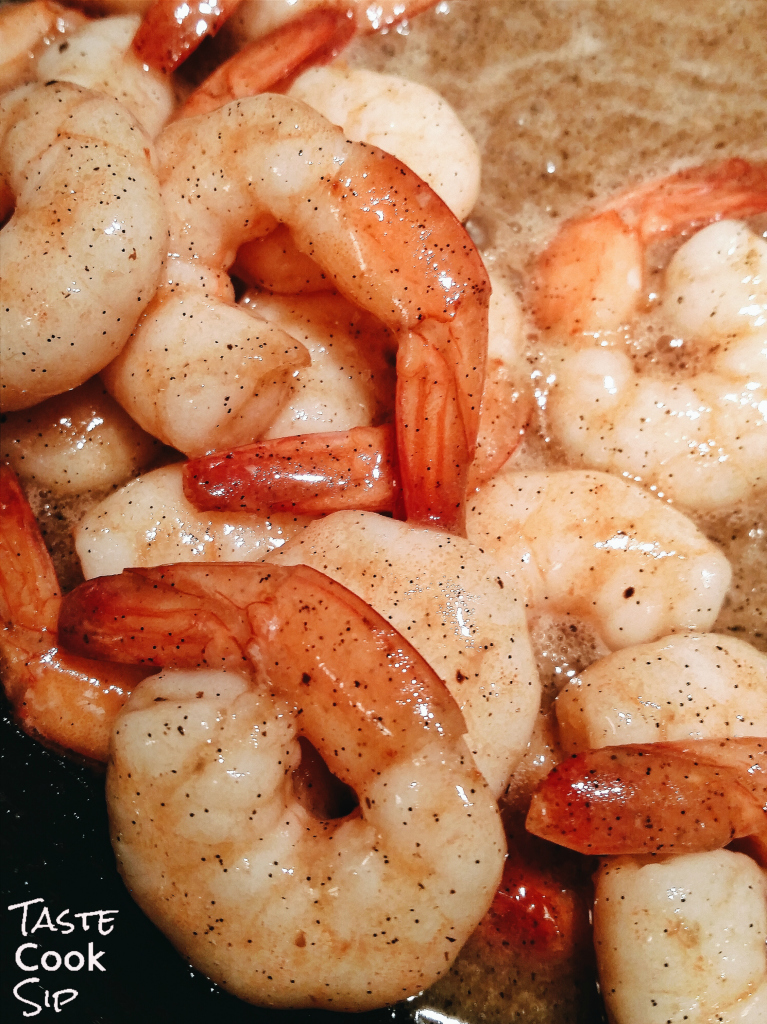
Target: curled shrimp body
[86,198]
[279,907]
[346,386]
[598,548]
[460,609]
[691,686]
[67,702]
[694,427]
[407,119]
[681,939]
[384,239]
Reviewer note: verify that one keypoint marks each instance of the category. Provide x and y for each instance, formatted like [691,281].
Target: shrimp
[98,56]
[686,686]
[66,702]
[681,939]
[220,383]
[381,235]
[407,119]
[169,33]
[361,911]
[271,63]
[697,437]
[252,20]
[150,522]
[354,467]
[594,547]
[460,609]
[351,379]
[86,198]
[656,798]
[464,615]
[26,30]
[78,442]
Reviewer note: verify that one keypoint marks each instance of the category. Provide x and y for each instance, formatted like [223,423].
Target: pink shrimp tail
[65,702]
[309,474]
[170,32]
[654,798]
[271,63]
[29,590]
[694,197]
[317,643]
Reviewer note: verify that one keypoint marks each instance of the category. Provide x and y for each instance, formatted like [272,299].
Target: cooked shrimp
[220,383]
[86,199]
[98,56]
[66,702]
[682,939]
[698,435]
[382,236]
[354,468]
[150,522]
[362,911]
[408,120]
[169,33]
[693,686]
[26,31]
[77,442]
[351,379]
[594,547]
[464,616]
[270,64]
[656,798]
[254,18]
[460,609]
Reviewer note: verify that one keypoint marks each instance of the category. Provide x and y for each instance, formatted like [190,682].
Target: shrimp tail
[654,798]
[694,197]
[270,64]
[29,590]
[298,628]
[65,702]
[434,461]
[308,474]
[170,32]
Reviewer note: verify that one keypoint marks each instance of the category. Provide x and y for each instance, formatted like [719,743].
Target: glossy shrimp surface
[686,686]
[383,238]
[98,56]
[150,521]
[86,196]
[350,913]
[28,30]
[460,609]
[694,429]
[682,938]
[656,798]
[65,701]
[299,467]
[595,547]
